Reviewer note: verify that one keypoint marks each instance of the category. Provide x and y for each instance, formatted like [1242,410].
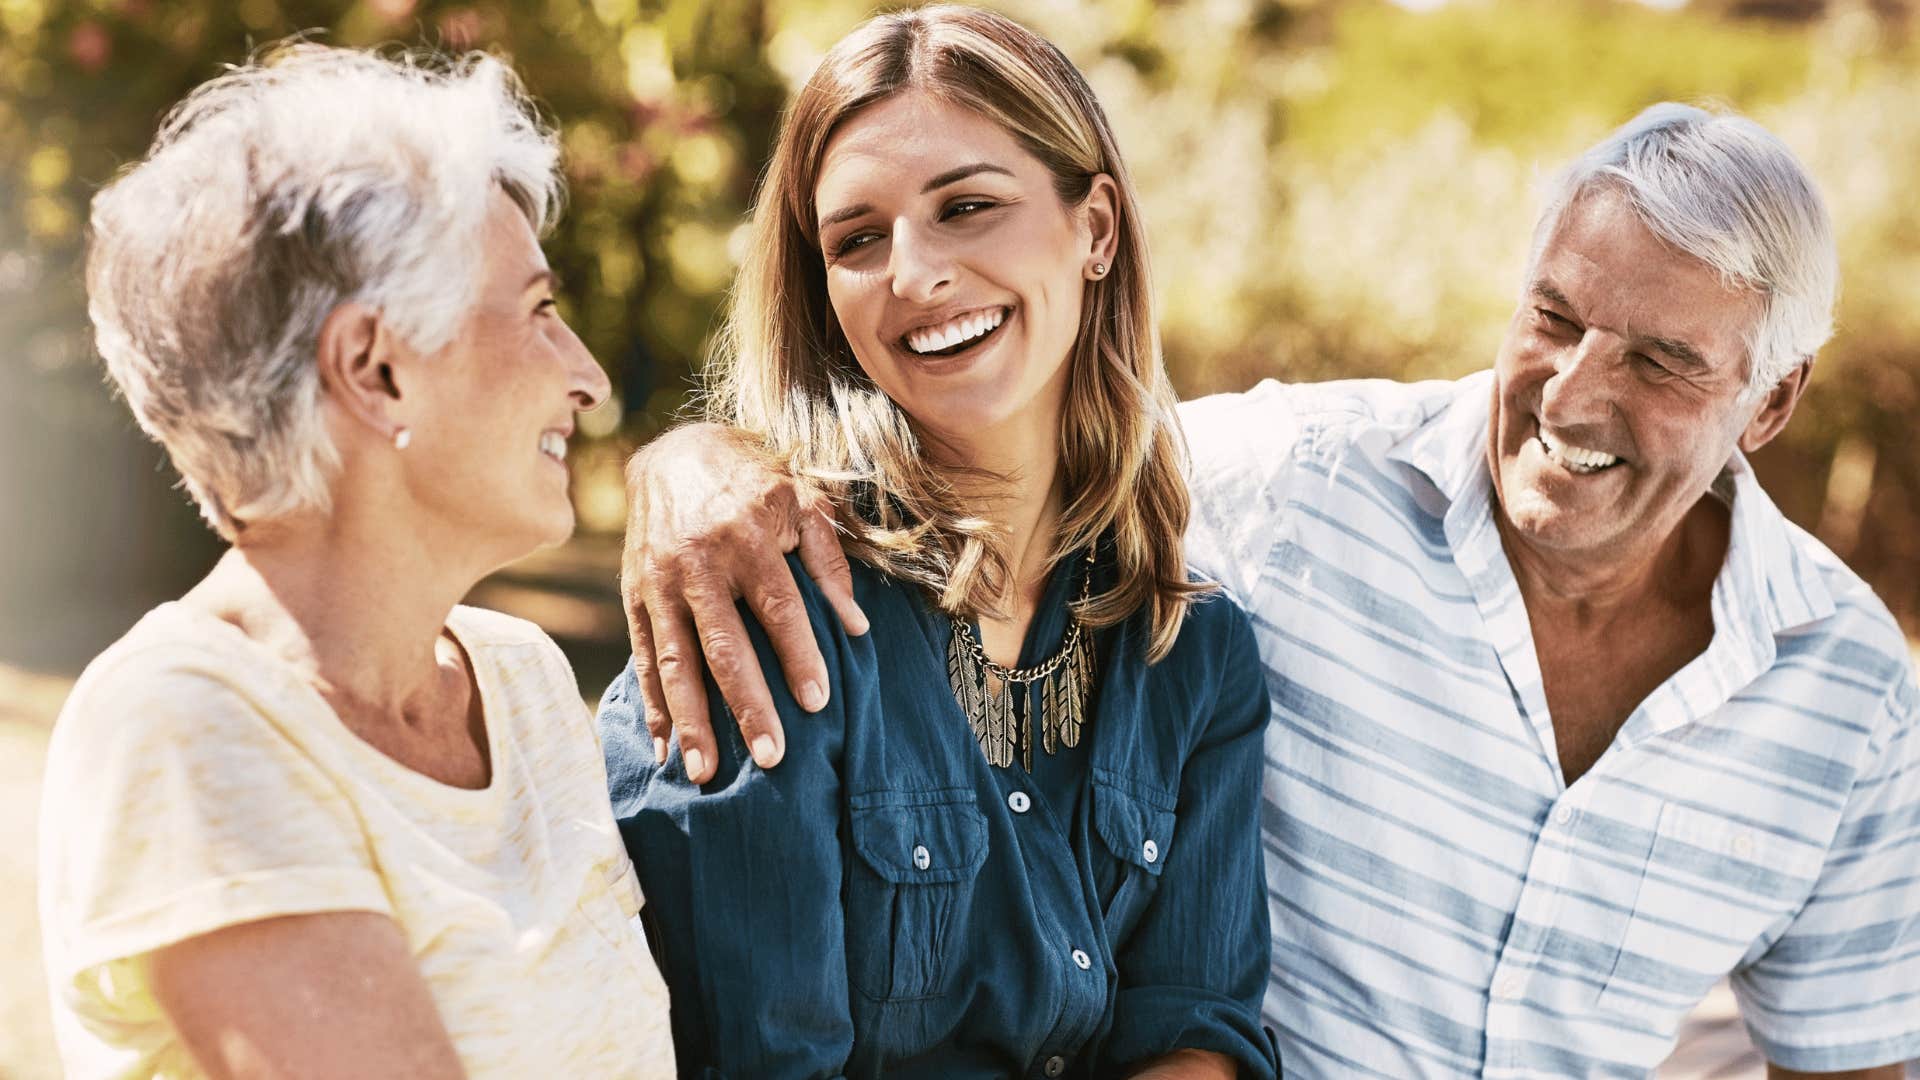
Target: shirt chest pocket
[1713,890]
[1137,831]
[910,891]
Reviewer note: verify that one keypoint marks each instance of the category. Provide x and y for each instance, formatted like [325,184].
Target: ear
[356,354]
[1100,212]
[1776,409]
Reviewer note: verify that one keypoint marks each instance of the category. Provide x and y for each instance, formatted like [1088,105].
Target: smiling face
[489,454]
[954,269]
[1619,388]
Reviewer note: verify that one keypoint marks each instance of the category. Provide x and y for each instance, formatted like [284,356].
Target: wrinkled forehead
[1600,257]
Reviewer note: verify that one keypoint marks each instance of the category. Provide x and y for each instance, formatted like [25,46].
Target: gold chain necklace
[985,691]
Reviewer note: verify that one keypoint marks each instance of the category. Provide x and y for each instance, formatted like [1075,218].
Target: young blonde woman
[1021,838]
[313,819]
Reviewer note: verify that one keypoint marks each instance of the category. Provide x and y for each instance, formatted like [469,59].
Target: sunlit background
[1334,188]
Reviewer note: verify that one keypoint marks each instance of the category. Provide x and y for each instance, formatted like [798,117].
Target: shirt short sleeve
[1840,989]
[175,804]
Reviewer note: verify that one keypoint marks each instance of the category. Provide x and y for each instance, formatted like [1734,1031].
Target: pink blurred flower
[461,28]
[89,46]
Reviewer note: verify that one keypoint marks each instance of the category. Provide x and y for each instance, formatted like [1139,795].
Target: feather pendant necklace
[1055,690]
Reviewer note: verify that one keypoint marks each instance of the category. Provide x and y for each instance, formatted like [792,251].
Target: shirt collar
[1767,585]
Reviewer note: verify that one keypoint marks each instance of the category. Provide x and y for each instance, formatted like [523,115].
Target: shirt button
[1151,851]
[1082,960]
[1564,815]
[922,858]
[1507,987]
[1742,845]
[1055,1066]
[1019,803]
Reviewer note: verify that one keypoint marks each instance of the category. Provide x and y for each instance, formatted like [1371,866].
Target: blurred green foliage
[1334,188]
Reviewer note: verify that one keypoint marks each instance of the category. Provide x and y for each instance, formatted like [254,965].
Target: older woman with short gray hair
[314,818]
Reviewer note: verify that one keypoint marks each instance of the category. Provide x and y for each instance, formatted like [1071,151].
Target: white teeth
[1577,458]
[554,445]
[954,331]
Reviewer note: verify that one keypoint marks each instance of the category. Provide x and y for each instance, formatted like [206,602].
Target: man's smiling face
[1619,389]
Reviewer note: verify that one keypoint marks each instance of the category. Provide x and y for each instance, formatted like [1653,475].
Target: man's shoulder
[1861,639]
[1385,402]
[1275,421]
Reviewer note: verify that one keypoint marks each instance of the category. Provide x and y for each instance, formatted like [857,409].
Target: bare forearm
[709,522]
[305,997]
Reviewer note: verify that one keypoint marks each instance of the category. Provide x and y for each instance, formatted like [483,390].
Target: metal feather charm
[1057,689]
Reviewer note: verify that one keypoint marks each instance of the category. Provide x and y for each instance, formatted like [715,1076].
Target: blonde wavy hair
[784,372]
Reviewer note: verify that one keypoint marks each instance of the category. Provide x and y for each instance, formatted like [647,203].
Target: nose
[589,384]
[919,266]
[1581,389]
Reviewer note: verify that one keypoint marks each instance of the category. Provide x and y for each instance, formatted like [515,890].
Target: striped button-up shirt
[1443,902]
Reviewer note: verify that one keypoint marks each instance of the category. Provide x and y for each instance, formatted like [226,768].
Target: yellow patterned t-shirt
[195,781]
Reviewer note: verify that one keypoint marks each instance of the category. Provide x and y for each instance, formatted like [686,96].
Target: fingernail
[813,696]
[862,626]
[766,752]
[696,763]
[659,751]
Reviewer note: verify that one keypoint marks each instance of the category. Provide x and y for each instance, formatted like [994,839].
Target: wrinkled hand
[710,521]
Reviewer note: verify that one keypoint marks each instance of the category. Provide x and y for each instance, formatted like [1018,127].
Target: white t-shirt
[194,781]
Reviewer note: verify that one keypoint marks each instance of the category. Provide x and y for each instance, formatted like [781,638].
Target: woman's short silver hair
[272,195]
[1727,192]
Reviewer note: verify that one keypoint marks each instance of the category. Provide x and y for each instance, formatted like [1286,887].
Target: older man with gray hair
[1569,722]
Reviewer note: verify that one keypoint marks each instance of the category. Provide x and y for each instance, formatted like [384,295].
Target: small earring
[402,437]
[1099,269]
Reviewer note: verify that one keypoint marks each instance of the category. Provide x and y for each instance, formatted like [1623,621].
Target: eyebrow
[547,275]
[954,176]
[951,176]
[1680,351]
[1545,291]
[1673,347]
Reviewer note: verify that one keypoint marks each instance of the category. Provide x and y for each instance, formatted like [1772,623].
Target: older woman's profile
[314,818]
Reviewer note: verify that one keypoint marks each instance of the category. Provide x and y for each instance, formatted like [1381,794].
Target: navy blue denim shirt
[884,902]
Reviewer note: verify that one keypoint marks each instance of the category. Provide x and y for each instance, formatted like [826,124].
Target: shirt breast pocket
[1713,888]
[910,890]
[1137,831]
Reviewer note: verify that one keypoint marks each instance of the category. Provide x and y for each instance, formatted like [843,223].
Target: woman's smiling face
[955,270]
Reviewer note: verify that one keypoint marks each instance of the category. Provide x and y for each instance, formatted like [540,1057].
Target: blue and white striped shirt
[1442,902]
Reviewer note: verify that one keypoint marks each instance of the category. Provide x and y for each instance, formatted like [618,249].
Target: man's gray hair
[1727,192]
[272,195]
